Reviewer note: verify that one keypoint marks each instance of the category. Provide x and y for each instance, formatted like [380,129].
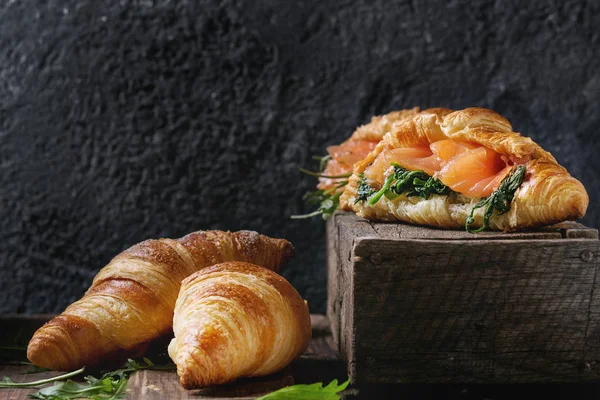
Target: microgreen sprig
[7,383]
[327,200]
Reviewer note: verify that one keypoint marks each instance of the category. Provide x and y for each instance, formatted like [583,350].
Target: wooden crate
[409,304]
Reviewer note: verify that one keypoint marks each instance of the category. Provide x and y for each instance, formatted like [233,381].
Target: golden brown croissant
[132,299]
[473,156]
[236,320]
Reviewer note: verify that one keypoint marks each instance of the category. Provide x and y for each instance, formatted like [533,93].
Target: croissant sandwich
[467,168]
[132,299]
[235,320]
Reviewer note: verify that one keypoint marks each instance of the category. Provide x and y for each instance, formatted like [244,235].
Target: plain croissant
[236,320]
[132,299]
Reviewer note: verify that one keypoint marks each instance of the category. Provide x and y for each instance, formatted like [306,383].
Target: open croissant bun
[235,320]
[132,299]
[471,154]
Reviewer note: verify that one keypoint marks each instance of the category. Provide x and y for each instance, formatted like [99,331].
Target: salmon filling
[343,158]
[466,168]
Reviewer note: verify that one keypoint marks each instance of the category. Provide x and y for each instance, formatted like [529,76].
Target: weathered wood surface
[320,363]
[412,304]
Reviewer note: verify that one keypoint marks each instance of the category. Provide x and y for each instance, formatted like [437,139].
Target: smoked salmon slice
[471,171]
[351,151]
[446,149]
[343,158]
[467,168]
[414,158]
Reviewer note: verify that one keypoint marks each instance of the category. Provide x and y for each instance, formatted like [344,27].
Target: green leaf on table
[107,388]
[112,384]
[7,383]
[314,391]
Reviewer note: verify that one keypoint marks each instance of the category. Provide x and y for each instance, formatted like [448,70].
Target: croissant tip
[186,383]
[579,203]
[40,350]
[289,252]
[32,352]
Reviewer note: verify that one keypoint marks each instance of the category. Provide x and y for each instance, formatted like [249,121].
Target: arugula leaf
[498,200]
[320,175]
[314,391]
[111,385]
[7,383]
[364,191]
[95,389]
[327,200]
[322,161]
[386,186]
[412,183]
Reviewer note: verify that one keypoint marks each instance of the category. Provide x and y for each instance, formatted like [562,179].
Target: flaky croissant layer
[132,299]
[236,320]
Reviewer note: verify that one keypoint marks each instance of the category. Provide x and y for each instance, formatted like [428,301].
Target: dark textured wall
[121,121]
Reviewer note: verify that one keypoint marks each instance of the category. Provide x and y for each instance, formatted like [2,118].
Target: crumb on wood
[153,387]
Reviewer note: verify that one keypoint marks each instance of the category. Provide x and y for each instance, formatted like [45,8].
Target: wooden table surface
[320,363]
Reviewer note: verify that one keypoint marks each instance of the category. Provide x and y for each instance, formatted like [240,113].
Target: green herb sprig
[364,191]
[314,391]
[7,383]
[322,161]
[327,200]
[320,175]
[111,385]
[412,183]
[499,200]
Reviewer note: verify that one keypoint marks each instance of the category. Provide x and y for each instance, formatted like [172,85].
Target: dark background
[122,121]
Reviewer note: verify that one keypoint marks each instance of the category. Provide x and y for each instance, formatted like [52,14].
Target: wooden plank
[575,230]
[18,373]
[481,311]
[161,385]
[347,231]
[333,271]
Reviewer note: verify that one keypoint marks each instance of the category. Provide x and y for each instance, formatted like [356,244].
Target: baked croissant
[131,300]
[235,320]
[474,172]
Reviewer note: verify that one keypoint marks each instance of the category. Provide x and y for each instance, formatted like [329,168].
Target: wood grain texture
[420,305]
[17,374]
[162,385]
